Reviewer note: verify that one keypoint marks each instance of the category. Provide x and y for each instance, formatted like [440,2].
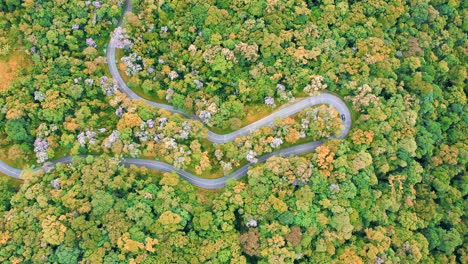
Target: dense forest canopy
[393,191]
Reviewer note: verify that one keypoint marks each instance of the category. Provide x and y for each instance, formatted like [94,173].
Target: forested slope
[393,191]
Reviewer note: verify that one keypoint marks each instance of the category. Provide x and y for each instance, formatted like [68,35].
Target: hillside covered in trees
[391,190]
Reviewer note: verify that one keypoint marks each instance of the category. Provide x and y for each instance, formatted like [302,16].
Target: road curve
[324,98]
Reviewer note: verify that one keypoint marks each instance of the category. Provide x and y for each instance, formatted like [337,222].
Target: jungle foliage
[393,191]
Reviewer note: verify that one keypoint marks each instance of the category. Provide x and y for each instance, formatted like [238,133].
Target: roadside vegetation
[392,191]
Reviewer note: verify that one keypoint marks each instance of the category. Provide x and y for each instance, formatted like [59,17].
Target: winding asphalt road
[324,98]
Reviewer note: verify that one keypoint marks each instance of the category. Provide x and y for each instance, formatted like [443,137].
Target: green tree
[16,130]
[101,202]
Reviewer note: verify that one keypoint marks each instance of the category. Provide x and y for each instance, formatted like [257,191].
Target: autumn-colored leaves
[325,157]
